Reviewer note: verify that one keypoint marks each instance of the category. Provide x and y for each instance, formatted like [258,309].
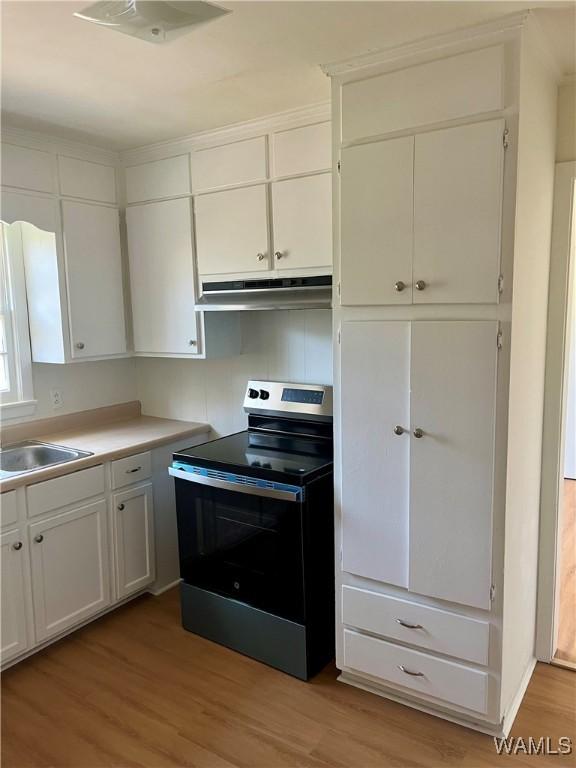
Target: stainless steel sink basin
[30,455]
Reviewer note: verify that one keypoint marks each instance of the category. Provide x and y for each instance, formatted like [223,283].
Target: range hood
[267,293]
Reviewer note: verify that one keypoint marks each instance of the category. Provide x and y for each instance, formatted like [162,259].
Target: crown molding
[48,143]
[278,121]
[504,25]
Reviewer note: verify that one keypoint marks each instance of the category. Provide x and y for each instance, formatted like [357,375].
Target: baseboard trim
[157,591]
[512,710]
[492,729]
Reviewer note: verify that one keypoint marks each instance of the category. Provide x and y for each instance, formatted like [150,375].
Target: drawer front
[422,674]
[52,494]
[132,469]
[8,509]
[437,630]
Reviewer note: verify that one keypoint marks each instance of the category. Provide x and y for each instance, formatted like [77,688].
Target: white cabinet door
[457,211]
[169,177]
[453,383]
[376,191]
[91,181]
[94,278]
[375,392]
[302,216]
[162,277]
[28,168]
[14,633]
[70,568]
[232,231]
[134,539]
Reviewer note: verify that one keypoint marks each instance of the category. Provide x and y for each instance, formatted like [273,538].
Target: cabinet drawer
[52,494]
[438,630]
[8,508]
[132,469]
[445,680]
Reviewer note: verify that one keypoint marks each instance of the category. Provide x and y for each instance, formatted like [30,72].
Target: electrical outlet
[57,398]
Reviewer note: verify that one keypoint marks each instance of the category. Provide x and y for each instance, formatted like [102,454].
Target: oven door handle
[228,485]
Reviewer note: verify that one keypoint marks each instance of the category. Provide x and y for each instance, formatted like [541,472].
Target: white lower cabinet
[133,539]
[418,402]
[70,568]
[14,632]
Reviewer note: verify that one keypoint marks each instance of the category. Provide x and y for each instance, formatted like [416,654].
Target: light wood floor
[567,595]
[134,689]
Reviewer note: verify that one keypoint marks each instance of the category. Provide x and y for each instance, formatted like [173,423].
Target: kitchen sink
[30,455]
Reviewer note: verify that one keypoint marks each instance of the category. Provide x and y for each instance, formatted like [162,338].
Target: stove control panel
[286,399]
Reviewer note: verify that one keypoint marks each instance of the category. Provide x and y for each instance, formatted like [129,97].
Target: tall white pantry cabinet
[444,152]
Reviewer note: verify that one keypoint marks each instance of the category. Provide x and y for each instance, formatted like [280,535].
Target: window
[16,395]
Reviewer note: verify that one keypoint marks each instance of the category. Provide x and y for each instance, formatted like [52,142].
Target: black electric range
[256,531]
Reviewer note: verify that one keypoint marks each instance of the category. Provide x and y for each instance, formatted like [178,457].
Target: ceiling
[66,76]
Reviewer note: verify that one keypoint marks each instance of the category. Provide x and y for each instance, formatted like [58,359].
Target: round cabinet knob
[39,539]
[398,430]
[80,345]
[418,432]
[260,256]
[253,394]
[264,395]
[420,285]
[279,255]
[17,545]
[399,286]
[120,507]
[191,343]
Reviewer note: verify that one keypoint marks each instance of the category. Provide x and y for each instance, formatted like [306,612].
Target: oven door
[242,541]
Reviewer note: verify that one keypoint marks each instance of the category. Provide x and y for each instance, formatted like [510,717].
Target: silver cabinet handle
[402,668]
[260,256]
[120,507]
[279,255]
[408,625]
[80,345]
[420,285]
[418,432]
[136,469]
[39,539]
[191,343]
[398,430]
[399,286]
[17,545]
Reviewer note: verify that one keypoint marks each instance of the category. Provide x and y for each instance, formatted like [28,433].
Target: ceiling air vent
[157,21]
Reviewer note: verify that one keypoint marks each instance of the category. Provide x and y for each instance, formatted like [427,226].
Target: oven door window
[242,546]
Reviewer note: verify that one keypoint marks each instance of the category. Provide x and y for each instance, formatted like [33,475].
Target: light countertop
[106,442]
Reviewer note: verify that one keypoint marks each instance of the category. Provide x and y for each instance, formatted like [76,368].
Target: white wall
[84,385]
[282,345]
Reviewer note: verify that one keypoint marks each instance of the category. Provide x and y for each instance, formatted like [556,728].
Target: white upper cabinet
[375,400]
[94,279]
[376,223]
[90,181]
[458,175]
[162,277]
[242,162]
[453,396]
[420,218]
[28,168]
[232,231]
[302,216]
[302,150]
[158,179]
[424,94]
